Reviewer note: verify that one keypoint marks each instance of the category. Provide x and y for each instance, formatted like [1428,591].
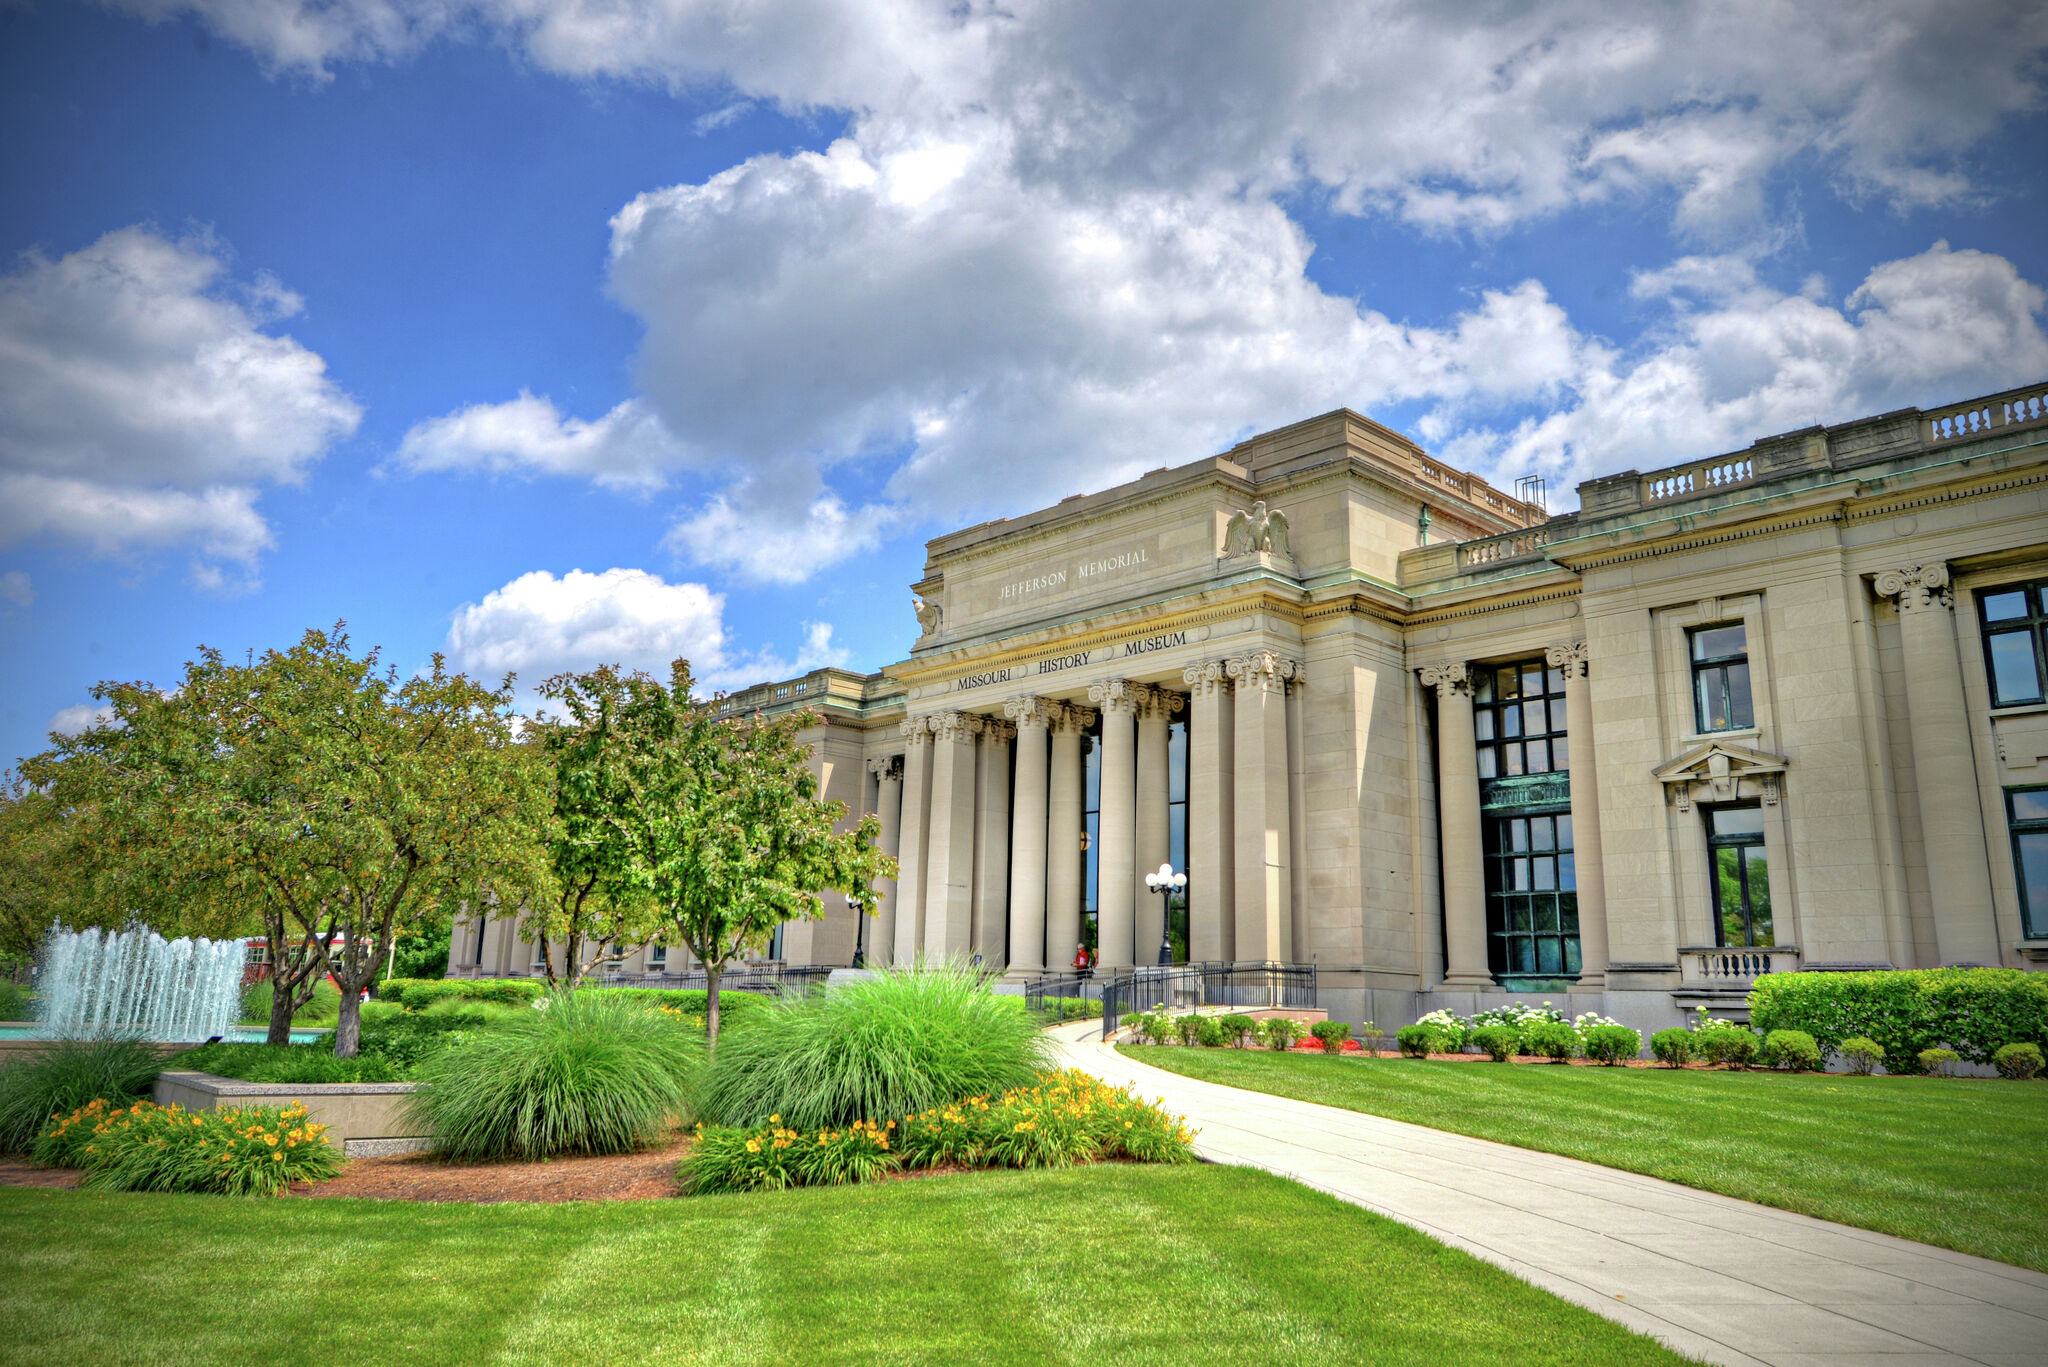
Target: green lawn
[1121,1264]
[1954,1162]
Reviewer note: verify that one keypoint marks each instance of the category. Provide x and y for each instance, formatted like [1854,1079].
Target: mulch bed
[19,1172]
[423,1177]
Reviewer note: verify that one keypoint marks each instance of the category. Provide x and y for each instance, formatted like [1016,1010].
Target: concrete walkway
[1713,1277]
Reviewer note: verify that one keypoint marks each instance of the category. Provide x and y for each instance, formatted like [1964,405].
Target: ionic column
[949,867]
[1265,916]
[1116,811]
[1156,707]
[1570,656]
[908,936]
[1458,817]
[1033,718]
[1944,771]
[1063,835]
[1212,865]
[881,937]
[990,931]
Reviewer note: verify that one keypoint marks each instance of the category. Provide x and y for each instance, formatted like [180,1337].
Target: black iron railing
[1185,987]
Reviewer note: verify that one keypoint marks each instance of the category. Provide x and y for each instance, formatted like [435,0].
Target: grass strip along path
[1117,1264]
[1945,1161]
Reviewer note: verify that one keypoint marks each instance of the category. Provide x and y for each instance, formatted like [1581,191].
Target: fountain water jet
[135,982]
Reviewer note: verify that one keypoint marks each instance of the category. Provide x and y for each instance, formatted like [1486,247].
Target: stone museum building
[1785,708]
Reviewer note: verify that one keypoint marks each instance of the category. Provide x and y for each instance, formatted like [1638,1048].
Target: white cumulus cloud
[16,588]
[143,405]
[540,624]
[78,718]
[628,448]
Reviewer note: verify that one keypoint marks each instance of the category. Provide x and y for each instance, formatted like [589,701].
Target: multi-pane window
[1742,876]
[657,958]
[2015,621]
[1532,896]
[1177,836]
[2026,811]
[1091,840]
[1720,678]
[1518,720]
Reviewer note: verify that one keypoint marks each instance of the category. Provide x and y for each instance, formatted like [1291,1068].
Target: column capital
[1072,720]
[1570,656]
[1451,679]
[1917,587]
[888,768]
[1263,669]
[1159,704]
[917,731]
[957,726]
[1116,695]
[996,731]
[1027,710]
[1206,679]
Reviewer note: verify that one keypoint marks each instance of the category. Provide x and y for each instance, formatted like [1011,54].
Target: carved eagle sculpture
[927,614]
[1258,530]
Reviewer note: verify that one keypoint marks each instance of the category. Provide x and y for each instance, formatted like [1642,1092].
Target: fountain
[135,982]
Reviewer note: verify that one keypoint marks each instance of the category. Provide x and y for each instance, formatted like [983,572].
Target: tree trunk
[280,1008]
[712,973]
[348,1030]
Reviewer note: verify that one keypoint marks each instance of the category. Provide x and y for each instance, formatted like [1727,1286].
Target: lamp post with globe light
[860,929]
[1166,883]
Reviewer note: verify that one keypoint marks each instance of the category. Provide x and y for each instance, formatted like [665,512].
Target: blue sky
[555,333]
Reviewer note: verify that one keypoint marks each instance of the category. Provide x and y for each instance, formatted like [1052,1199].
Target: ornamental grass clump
[66,1074]
[233,1151]
[587,1075]
[894,1044]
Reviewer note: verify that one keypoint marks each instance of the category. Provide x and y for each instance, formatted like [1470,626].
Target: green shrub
[325,1004]
[393,990]
[1279,1032]
[474,1015]
[2018,1061]
[1792,1051]
[65,1075]
[1415,1041]
[735,1009]
[17,1003]
[1238,1028]
[421,993]
[1061,1119]
[1331,1035]
[1722,1042]
[1974,1011]
[1862,1055]
[1500,1042]
[1551,1039]
[288,1063]
[1939,1060]
[1210,1034]
[894,1044]
[1673,1047]
[1188,1028]
[237,1151]
[405,1039]
[1613,1045]
[586,1075]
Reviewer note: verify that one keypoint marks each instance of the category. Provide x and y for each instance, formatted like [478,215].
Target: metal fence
[1185,987]
[767,978]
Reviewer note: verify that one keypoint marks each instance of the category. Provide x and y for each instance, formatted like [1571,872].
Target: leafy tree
[347,804]
[586,902]
[717,821]
[38,850]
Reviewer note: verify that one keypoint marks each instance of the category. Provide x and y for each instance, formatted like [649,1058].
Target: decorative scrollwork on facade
[887,768]
[1448,679]
[1125,695]
[1917,586]
[917,730]
[996,731]
[1569,656]
[1072,720]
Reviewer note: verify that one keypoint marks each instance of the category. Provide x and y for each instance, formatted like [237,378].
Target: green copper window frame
[1518,720]
[2013,619]
[1532,899]
[1720,677]
[1739,866]
[2026,817]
